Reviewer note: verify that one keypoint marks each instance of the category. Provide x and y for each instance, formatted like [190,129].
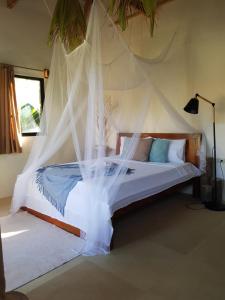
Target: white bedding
[148,179]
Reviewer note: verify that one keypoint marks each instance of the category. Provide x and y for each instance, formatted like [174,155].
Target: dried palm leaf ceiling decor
[11,3]
[70,18]
[68,23]
[126,9]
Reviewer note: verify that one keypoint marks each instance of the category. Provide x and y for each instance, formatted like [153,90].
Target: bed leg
[196,192]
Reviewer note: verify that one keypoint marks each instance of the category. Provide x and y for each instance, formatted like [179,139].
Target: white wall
[11,165]
[195,63]
[23,42]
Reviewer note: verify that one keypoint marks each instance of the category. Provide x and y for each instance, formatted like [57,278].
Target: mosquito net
[99,89]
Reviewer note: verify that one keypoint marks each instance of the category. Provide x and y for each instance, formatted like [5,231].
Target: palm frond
[124,9]
[69,18]
[68,24]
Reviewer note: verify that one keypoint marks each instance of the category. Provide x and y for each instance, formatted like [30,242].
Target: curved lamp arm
[203,98]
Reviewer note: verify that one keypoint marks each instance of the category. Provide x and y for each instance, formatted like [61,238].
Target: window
[30,99]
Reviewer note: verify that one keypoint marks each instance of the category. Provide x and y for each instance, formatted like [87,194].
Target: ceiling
[24,33]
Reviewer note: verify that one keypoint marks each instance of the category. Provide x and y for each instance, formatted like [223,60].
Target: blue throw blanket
[56,181]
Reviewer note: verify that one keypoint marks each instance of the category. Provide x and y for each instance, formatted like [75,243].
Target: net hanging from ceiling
[99,89]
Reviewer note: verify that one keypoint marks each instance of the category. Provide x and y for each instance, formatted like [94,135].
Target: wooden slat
[60,224]
[11,3]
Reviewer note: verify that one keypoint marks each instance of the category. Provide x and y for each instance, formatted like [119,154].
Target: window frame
[42,95]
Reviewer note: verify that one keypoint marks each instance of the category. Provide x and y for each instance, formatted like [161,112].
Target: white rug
[32,247]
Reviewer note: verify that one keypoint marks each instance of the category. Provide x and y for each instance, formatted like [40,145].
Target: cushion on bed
[142,150]
[176,151]
[123,138]
[159,151]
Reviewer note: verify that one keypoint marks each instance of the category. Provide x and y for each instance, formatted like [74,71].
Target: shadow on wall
[220,108]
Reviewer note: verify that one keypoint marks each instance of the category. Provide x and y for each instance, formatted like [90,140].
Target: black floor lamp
[9,295]
[192,107]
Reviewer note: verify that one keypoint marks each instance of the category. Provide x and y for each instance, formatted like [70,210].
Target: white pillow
[176,152]
[122,139]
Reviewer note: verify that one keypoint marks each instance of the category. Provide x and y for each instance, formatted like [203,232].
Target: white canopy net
[94,92]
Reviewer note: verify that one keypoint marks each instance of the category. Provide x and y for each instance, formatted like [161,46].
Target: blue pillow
[159,151]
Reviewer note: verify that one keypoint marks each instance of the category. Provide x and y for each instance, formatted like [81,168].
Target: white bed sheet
[148,179]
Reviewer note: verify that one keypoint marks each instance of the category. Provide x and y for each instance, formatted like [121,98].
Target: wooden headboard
[193,143]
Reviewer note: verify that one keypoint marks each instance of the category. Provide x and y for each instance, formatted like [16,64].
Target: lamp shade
[192,106]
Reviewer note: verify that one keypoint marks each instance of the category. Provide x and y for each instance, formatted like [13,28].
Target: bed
[149,181]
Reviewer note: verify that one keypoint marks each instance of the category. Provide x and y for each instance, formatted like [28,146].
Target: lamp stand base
[14,296]
[215,206]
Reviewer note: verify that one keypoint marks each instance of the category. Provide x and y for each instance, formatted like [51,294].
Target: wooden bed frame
[193,143]
[192,147]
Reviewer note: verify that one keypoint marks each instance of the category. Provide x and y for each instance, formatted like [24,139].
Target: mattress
[146,180]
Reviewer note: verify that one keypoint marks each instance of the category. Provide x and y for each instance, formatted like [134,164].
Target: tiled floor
[163,252]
